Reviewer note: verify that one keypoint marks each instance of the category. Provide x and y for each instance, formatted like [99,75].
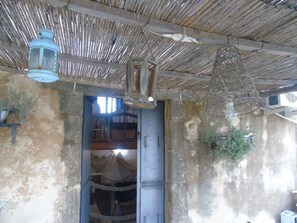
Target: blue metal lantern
[43,57]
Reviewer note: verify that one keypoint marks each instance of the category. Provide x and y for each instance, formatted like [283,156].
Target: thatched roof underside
[95,50]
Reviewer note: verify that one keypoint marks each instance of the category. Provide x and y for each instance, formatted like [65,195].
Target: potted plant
[16,102]
[233,144]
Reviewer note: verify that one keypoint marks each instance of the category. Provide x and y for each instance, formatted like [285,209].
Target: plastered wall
[201,190]
[40,178]
[40,174]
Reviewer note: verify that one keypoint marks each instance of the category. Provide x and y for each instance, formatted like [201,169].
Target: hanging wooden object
[141,77]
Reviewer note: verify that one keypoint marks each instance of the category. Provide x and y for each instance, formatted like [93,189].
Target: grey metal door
[86,163]
[150,166]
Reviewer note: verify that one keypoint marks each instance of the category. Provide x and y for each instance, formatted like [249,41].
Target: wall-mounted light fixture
[43,57]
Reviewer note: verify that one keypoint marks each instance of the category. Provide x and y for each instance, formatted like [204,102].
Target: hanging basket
[141,77]
[231,89]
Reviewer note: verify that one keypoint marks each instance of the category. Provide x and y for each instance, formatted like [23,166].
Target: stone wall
[257,189]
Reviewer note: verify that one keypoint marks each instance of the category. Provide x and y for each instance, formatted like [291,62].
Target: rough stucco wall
[202,190]
[176,169]
[71,105]
[32,174]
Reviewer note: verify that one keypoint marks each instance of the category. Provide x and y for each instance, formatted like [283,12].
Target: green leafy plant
[232,144]
[210,137]
[20,103]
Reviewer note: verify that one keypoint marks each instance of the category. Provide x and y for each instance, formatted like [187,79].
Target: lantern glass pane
[34,58]
[48,61]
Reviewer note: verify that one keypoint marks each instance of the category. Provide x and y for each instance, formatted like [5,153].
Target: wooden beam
[277,91]
[64,56]
[13,47]
[65,79]
[102,89]
[112,65]
[57,3]
[92,62]
[67,84]
[13,70]
[184,75]
[105,89]
[179,95]
[102,11]
[272,111]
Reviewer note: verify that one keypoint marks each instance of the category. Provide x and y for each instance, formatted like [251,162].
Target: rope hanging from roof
[231,90]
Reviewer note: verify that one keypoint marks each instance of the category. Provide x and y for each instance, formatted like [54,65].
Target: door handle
[145,141]
[158,141]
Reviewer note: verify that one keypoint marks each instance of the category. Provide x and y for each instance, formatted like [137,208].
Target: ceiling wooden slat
[112,65]
[279,91]
[157,26]
[97,38]
[100,88]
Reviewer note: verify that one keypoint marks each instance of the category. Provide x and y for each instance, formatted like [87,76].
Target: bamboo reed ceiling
[96,49]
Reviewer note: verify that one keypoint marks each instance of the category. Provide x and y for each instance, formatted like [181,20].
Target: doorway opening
[116,184]
[113,180]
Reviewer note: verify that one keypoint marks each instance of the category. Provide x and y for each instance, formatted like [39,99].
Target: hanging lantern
[141,77]
[43,57]
[231,91]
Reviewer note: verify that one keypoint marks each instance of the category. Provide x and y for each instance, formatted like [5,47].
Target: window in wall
[109,105]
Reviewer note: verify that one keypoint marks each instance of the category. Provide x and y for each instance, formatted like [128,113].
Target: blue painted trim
[44,43]
[46,76]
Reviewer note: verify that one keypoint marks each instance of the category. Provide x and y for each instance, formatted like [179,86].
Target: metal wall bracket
[13,127]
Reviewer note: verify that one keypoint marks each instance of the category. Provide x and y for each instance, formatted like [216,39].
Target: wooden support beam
[57,3]
[118,91]
[272,111]
[104,89]
[13,70]
[104,64]
[69,80]
[102,11]
[279,91]
[92,62]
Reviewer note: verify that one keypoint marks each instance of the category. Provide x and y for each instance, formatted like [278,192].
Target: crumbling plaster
[201,190]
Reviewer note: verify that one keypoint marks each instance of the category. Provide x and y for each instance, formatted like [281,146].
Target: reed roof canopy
[96,39]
